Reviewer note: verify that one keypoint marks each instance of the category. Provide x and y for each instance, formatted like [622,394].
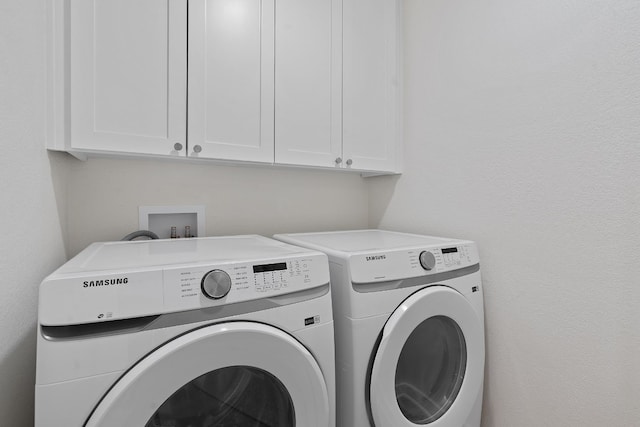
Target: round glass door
[430,369]
[239,374]
[429,366]
[241,396]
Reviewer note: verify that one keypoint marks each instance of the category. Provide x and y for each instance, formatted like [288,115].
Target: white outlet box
[160,219]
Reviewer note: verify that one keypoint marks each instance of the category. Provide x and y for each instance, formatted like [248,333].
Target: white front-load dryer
[409,320]
[227,331]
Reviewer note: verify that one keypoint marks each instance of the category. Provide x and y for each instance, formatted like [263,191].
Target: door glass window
[239,396]
[430,369]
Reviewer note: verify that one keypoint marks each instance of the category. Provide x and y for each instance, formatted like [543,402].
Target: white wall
[104,195]
[522,127]
[31,245]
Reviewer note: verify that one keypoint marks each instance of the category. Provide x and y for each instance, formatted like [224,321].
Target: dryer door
[428,369]
[235,374]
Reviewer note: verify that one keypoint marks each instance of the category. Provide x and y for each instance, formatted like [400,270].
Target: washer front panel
[394,401]
[184,363]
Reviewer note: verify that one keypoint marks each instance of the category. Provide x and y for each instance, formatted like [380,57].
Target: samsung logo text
[104,282]
[376,257]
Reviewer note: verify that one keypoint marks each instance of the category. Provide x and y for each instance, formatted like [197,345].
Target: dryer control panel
[414,262]
[443,259]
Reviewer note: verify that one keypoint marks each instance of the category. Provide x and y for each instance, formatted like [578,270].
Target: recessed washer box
[160,219]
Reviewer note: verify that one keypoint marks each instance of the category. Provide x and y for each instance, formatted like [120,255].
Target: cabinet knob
[177,146]
[197,148]
[349,162]
[338,160]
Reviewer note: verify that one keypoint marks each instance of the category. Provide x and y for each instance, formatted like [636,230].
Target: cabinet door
[370,84]
[128,75]
[308,82]
[231,79]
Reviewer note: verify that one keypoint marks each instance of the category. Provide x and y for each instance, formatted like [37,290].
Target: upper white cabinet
[308,110]
[292,82]
[371,90]
[128,76]
[231,79]
[337,84]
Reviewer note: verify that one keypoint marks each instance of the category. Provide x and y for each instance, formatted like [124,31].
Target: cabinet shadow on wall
[381,190]
[59,164]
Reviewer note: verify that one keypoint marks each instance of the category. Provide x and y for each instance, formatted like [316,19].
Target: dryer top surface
[358,241]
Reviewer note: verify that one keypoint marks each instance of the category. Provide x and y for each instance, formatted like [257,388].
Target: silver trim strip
[98,329]
[414,281]
[222,311]
[139,324]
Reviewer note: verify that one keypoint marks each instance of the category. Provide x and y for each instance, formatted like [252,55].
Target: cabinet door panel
[370,85]
[128,75]
[231,79]
[307,75]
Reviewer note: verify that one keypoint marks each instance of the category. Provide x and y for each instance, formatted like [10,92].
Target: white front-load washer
[226,331]
[409,320]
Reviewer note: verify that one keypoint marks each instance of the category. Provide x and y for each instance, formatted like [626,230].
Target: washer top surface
[151,253]
[356,241]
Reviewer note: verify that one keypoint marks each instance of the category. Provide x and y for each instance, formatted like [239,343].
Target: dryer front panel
[428,367]
[235,373]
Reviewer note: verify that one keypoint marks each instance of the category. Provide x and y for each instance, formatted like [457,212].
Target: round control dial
[216,284]
[427,260]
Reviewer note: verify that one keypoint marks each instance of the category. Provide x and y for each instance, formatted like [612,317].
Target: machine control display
[270,277]
[451,257]
[269,267]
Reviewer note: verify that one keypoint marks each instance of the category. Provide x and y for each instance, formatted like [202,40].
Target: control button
[427,260]
[216,284]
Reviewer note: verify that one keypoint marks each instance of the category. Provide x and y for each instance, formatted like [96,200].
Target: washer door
[428,368]
[236,374]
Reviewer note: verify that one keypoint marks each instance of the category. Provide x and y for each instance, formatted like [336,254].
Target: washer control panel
[405,263]
[206,285]
[122,280]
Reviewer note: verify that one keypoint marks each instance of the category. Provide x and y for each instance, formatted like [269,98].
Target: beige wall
[32,237]
[104,195]
[522,126]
